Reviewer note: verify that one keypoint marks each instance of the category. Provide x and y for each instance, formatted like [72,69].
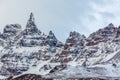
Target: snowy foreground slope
[30,54]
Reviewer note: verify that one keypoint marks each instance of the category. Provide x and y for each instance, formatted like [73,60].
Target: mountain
[22,49]
[72,48]
[94,56]
[30,53]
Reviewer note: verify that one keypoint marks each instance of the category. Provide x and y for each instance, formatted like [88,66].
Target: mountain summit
[31,27]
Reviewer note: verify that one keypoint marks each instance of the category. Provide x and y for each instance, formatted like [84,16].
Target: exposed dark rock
[11,31]
[52,40]
[31,28]
[27,77]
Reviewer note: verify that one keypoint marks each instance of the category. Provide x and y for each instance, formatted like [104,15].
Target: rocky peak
[110,25]
[72,48]
[11,30]
[75,34]
[31,19]
[31,28]
[74,43]
[109,33]
[52,40]
[75,37]
[51,35]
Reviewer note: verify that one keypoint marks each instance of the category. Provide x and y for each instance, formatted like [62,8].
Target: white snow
[110,56]
[3,77]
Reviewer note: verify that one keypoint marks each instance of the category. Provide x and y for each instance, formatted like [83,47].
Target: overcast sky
[61,16]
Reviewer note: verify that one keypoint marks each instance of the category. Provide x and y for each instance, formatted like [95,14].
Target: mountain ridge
[31,51]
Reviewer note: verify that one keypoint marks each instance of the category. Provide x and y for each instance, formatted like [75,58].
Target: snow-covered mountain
[23,49]
[30,52]
[72,48]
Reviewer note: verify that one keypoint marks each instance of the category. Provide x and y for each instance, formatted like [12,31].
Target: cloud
[102,13]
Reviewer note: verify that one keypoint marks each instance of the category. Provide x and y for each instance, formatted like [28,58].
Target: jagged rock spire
[31,17]
[31,21]
[110,25]
[51,39]
[51,34]
[31,27]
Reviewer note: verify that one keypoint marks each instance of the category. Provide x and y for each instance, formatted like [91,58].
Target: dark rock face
[9,61]
[31,28]
[32,41]
[72,48]
[52,40]
[75,41]
[58,68]
[102,35]
[11,31]
[27,77]
[102,41]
